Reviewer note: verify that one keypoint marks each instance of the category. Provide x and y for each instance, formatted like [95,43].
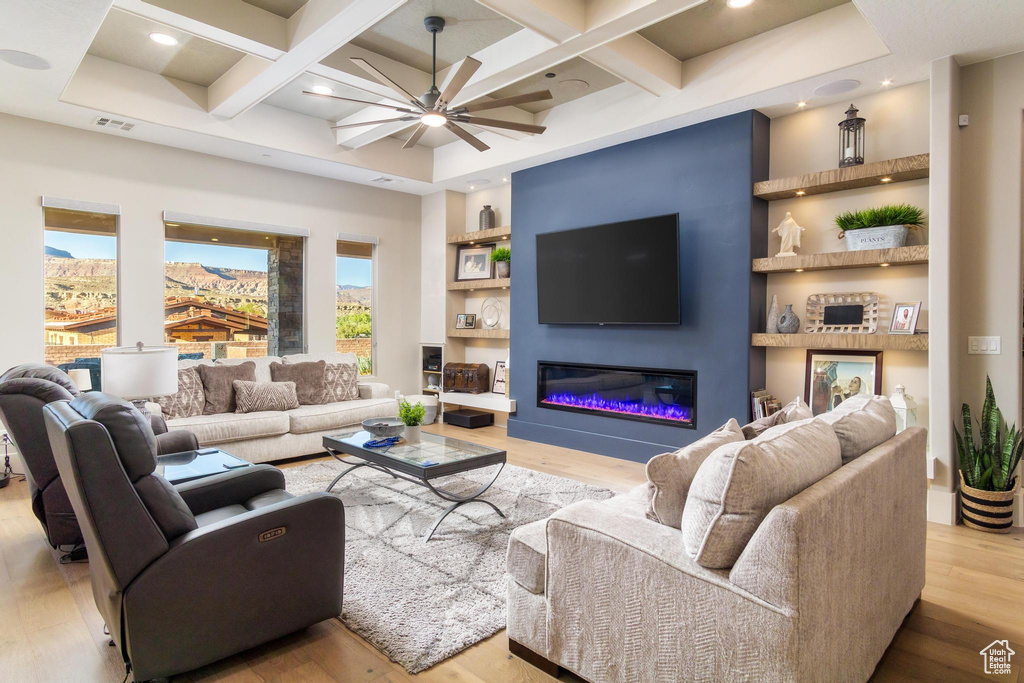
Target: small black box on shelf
[432,362]
[471,419]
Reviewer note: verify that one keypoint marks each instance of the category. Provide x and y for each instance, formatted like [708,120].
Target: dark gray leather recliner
[24,390]
[186,575]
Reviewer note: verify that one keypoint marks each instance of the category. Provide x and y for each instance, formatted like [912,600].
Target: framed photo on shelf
[499,378]
[473,262]
[904,317]
[465,321]
[831,377]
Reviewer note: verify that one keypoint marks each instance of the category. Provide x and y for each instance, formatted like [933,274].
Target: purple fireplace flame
[638,408]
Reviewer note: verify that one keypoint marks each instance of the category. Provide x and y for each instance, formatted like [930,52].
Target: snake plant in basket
[987,480]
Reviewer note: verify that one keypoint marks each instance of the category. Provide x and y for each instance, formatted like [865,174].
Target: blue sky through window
[81,245]
[354,271]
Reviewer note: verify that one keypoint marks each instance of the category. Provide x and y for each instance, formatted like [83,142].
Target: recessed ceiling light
[801,104]
[267,156]
[886,83]
[837,87]
[504,180]
[163,38]
[800,193]
[737,4]
[322,90]
[572,86]
[173,225]
[887,179]
[25,60]
[214,239]
[550,74]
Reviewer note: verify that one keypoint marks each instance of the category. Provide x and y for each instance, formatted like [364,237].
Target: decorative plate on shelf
[846,312]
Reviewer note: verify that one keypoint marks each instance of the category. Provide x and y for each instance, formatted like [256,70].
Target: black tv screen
[615,274]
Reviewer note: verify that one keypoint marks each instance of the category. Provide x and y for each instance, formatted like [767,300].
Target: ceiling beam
[315,31]
[549,39]
[232,23]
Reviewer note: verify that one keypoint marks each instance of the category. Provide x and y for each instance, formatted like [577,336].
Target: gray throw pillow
[218,385]
[739,484]
[190,399]
[252,397]
[310,379]
[793,411]
[342,382]
[861,423]
[670,474]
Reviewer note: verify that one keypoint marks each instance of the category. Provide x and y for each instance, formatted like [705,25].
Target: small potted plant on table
[411,415]
[987,480]
[502,257]
[883,227]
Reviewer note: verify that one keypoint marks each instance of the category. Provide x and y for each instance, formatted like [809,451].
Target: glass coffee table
[434,456]
[177,468]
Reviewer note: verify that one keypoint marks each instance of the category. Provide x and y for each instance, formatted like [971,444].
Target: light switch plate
[984,346]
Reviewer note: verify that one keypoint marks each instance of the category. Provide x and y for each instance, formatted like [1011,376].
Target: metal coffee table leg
[353,466]
[458,501]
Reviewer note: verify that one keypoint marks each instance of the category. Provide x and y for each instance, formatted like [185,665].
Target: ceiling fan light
[433,119]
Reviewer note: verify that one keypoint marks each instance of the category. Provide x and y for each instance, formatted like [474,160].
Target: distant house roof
[189,309]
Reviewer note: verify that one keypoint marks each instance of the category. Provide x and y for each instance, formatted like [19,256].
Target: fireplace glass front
[646,394]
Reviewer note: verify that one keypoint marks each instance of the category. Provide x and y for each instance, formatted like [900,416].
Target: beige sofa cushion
[329,357]
[670,474]
[791,412]
[739,484]
[227,427]
[262,365]
[861,423]
[318,418]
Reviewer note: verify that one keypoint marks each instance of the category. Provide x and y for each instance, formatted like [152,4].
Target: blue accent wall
[703,172]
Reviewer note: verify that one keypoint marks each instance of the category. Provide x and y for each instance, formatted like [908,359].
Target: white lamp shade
[133,373]
[81,378]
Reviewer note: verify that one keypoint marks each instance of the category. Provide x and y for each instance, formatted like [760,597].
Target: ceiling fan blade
[508,101]
[415,137]
[349,99]
[457,82]
[374,123]
[510,125]
[370,69]
[467,136]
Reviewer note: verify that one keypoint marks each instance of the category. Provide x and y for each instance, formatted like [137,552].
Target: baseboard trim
[942,506]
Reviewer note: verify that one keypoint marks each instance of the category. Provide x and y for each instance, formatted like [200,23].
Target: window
[80,265]
[216,291]
[354,301]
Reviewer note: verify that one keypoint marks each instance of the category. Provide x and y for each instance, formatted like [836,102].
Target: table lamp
[82,378]
[137,373]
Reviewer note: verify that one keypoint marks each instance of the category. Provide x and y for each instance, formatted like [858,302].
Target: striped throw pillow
[252,397]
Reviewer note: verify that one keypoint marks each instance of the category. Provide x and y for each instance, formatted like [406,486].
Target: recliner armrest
[229,488]
[176,441]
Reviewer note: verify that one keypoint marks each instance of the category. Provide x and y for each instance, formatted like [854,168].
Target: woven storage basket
[990,511]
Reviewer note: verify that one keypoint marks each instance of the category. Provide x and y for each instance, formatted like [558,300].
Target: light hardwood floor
[50,630]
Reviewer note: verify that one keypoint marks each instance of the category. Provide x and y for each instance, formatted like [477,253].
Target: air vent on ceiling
[107,122]
[381,180]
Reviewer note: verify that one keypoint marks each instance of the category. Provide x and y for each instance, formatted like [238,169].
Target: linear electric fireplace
[645,394]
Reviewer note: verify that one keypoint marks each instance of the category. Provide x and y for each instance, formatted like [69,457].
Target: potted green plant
[502,258]
[880,228]
[987,479]
[411,415]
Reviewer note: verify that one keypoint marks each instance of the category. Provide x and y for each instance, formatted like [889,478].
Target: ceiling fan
[431,108]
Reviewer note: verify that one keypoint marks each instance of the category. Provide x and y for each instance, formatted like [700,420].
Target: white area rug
[420,603]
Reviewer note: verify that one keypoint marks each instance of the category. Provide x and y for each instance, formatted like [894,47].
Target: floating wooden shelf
[478,333]
[838,260]
[482,236]
[493,283]
[495,402]
[865,175]
[856,342]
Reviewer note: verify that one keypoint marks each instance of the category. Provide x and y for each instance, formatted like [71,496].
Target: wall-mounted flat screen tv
[615,274]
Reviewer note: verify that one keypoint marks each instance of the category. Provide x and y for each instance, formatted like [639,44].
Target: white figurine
[789,231]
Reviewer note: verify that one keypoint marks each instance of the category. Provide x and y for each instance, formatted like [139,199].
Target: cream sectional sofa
[817,593]
[276,435]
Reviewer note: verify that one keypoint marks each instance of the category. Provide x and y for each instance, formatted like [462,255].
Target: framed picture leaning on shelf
[831,377]
[473,262]
[465,321]
[904,317]
[499,378]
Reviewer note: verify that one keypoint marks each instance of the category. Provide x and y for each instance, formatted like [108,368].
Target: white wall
[144,179]
[808,141]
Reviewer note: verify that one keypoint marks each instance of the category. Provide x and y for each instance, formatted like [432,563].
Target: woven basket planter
[990,511]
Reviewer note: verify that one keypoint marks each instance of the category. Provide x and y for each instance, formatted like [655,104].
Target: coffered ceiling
[233,84]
